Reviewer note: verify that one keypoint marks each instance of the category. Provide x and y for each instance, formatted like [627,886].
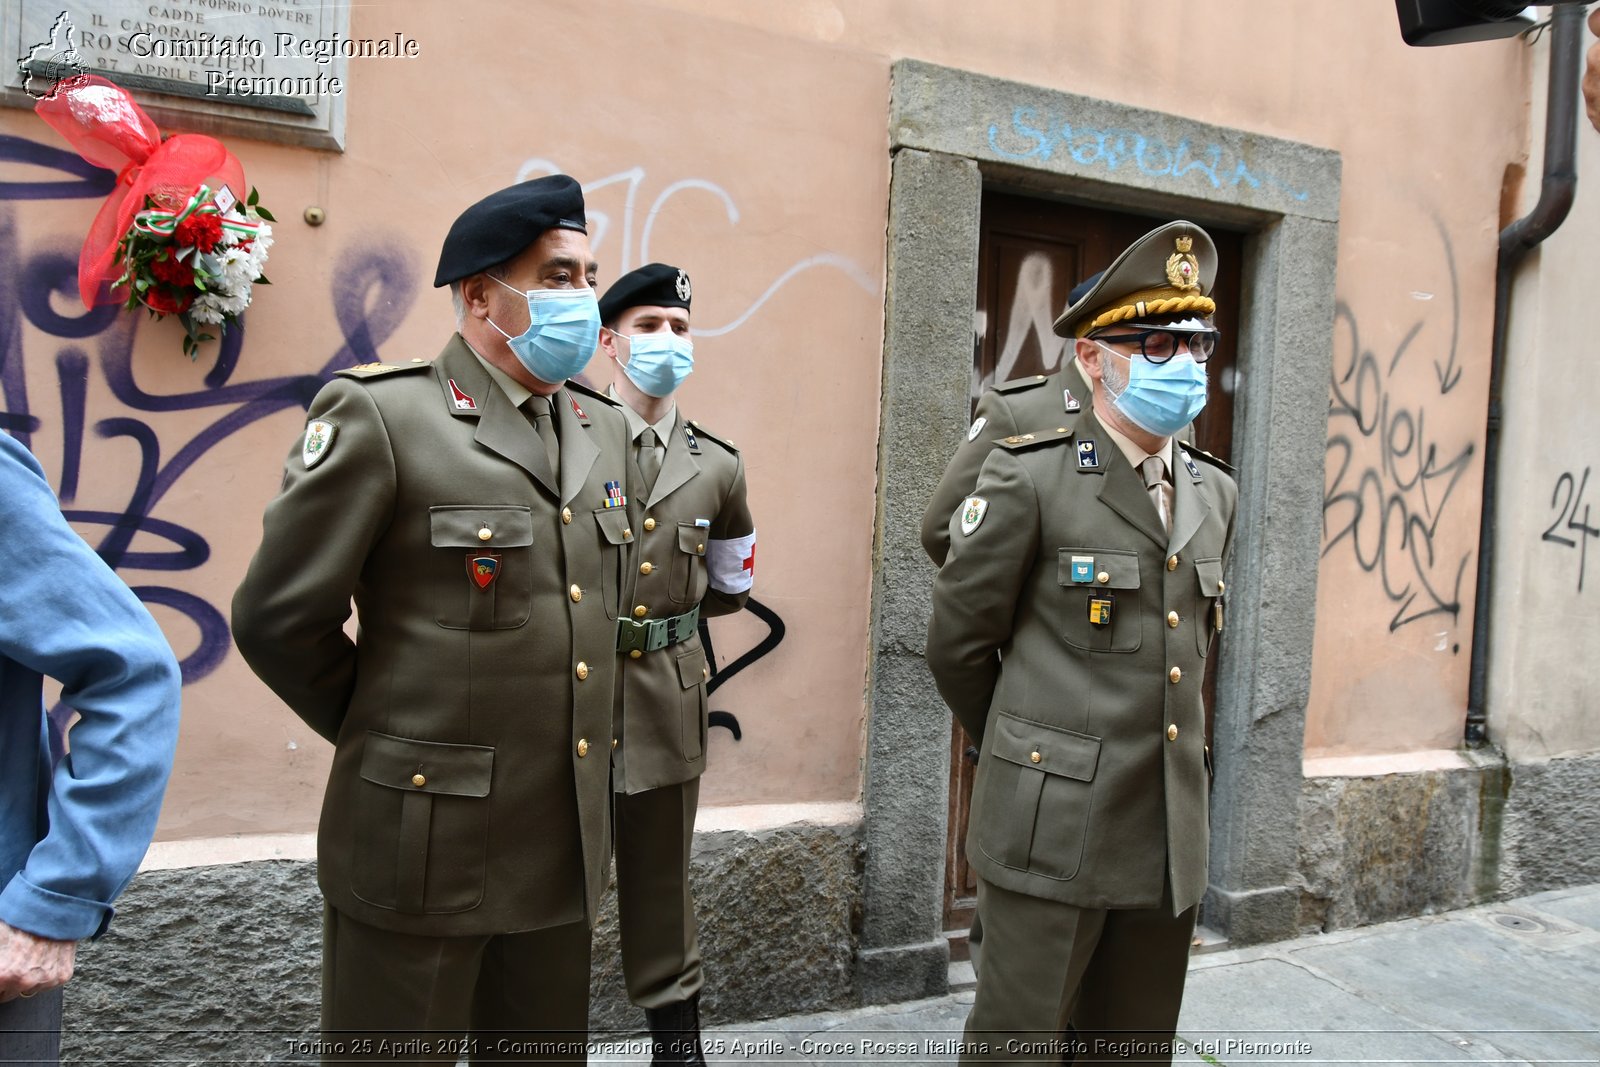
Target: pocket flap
[692,668]
[1209,571]
[1046,748]
[692,538]
[1120,567]
[398,762]
[614,525]
[461,526]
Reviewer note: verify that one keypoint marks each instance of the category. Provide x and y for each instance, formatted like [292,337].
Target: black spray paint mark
[1565,500]
[774,638]
[1390,512]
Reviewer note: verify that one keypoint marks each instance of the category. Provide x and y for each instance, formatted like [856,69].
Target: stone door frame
[950,133]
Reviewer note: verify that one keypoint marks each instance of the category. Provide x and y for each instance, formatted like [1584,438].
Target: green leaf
[262,279]
[264,213]
[253,198]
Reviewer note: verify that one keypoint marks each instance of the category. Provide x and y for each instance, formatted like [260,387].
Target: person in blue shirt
[73,830]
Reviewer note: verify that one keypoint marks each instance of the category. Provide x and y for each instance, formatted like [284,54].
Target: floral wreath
[173,236]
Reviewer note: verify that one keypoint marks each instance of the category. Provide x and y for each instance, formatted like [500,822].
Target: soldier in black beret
[475,509]
[697,543]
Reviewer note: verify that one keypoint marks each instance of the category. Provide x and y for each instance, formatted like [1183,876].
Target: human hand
[1591,76]
[30,964]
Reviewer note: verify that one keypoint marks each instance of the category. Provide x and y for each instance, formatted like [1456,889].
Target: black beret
[1081,290]
[652,285]
[502,224]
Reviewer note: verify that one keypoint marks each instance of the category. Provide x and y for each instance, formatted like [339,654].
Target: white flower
[204,310]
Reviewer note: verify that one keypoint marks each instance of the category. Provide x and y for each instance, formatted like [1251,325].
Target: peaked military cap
[652,285]
[1167,272]
[502,224]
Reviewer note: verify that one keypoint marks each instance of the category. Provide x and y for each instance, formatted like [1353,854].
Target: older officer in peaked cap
[1071,624]
[475,508]
[696,553]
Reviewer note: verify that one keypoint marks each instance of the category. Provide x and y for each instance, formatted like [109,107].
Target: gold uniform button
[566,516]
[1034,756]
[1038,377]
[1172,563]
[635,654]
[1220,586]
[582,671]
[1176,675]
[485,533]
[649,524]
[627,533]
[645,567]
[700,549]
[615,741]
[583,747]
[640,612]
[1172,732]
[1102,577]
[419,780]
[1172,619]
[705,672]
[576,594]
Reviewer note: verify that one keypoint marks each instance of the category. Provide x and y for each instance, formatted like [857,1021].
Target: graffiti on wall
[1030,134]
[1390,479]
[375,283]
[1567,528]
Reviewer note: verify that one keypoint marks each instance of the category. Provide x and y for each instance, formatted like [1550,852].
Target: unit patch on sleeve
[972,513]
[318,442]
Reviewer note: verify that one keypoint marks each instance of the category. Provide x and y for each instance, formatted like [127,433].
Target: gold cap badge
[1183,270]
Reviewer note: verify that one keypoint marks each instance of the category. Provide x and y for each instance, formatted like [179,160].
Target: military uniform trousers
[653,840]
[1115,975]
[390,997]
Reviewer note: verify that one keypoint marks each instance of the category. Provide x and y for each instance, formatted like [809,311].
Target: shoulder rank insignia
[977,427]
[318,442]
[377,370]
[1016,385]
[1088,456]
[1019,438]
[688,434]
[1215,461]
[694,429]
[1194,472]
[972,513]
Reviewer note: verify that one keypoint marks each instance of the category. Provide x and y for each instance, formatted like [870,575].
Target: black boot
[675,1034]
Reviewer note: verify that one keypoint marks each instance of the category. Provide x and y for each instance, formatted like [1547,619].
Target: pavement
[1516,982]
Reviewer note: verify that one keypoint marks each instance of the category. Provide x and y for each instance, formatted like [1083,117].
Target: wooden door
[1031,253]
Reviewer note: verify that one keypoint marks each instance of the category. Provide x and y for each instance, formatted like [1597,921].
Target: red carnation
[173,271]
[199,231]
[165,302]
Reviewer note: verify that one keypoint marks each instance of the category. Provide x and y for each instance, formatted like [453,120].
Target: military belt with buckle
[650,635]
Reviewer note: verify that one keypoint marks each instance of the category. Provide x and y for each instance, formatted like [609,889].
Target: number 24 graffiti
[1570,502]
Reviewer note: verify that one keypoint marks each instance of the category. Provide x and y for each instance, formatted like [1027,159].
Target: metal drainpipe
[1516,241]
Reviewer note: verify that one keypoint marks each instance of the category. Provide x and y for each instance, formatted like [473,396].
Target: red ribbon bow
[104,126]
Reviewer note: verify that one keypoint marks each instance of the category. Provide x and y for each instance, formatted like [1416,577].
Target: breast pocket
[1101,590]
[423,812]
[689,565]
[616,566]
[482,565]
[692,709]
[1037,782]
[1208,572]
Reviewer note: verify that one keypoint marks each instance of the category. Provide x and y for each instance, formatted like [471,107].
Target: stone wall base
[220,964]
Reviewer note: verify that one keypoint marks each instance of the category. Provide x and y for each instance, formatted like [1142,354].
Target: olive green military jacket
[1069,635]
[1038,402]
[471,715]
[696,546]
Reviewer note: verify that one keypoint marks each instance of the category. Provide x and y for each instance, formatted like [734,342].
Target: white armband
[732,563]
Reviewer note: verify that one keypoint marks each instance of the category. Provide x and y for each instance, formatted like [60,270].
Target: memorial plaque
[274,70]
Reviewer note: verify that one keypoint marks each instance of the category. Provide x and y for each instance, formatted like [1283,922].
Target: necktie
[544,422]
[1154,469]
[649,459]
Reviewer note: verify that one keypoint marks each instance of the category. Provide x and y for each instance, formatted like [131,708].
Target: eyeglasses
[1158,346]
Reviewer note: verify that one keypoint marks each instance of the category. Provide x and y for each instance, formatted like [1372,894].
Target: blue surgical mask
[563,329]
[658,362]
[1160,399]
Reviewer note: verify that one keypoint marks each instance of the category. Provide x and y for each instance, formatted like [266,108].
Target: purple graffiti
[374,287]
